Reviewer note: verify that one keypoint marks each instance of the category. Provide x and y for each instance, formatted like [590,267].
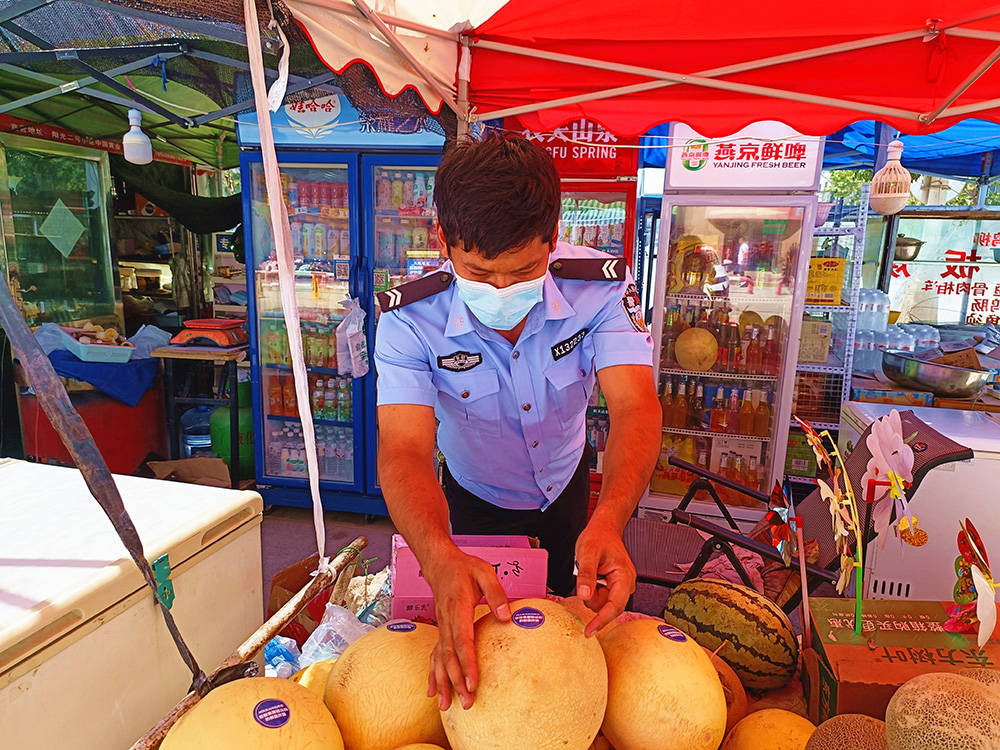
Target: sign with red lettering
[764,155]
[583,148]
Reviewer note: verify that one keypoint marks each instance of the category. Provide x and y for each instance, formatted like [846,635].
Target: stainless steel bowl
[941,380]
[907,248]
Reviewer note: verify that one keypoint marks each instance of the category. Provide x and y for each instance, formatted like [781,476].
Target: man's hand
[459,581]
[601,552]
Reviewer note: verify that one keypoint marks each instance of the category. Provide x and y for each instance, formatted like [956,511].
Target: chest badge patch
[633,308]
[460,361]
[564,347]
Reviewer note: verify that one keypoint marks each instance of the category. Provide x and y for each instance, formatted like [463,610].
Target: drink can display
[383,192]
[408,191]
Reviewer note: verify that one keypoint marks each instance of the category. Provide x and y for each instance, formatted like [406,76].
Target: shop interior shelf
[714,374]
[800,480]
[819,425]
[739,298]
[833,364]
[321,422]
[395,214]
[708,434]
[309,368]
[826,308]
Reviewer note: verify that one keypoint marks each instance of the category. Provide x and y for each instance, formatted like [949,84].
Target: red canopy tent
[715,65]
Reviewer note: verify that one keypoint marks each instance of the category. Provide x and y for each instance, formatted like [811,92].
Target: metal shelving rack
[840,365]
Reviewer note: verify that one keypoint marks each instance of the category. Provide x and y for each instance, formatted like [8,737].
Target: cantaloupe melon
[578,607]
[943,711]
[663,692]
[601,743]
[757,639]
[265,713]
[542,683]
[377,689]
[770,729]
[750,318]
[696,349]
[732,688]
[989,677]
[849,732]
[420,746]
[313,678]
[481,610]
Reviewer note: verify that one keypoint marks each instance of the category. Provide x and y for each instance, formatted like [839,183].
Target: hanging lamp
[135,144]
[891,184]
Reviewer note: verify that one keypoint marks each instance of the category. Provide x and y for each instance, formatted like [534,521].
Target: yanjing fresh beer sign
[763,156]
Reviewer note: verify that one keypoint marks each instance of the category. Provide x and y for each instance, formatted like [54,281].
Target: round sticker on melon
[272,713]
[669,631]
[528,618]
[401,626]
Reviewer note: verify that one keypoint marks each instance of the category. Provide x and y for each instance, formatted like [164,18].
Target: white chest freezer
[947,494]
[86,660]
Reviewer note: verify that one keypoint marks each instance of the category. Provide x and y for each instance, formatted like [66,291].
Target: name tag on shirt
[566,346]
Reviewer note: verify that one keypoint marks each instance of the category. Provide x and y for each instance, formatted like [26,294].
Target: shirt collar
[461,320]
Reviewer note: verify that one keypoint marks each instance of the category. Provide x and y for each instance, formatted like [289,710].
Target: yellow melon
[377,689]
[268,713]
[943,711]
[750,318]
[313,678]
[732,688]
[696,349]
[420,746]
[989,677]
[770,729]
[542,683]
[481,610]
[663,692]
[601,743]
[849,732]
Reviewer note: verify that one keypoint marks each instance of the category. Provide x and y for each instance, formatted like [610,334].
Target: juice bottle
[735,362]
[331,355]
[771,355]
[330,400]
[725,494]
[722,353]
[762,417]
[275,397]
[753,473]
[746,338]
[404,242]
[697,408]
[319,240]
[321,346]
[733,415]
[288,396]
[396,191]
[419,191]
[703,458]
[408,190]
[754,353]
[344,407]
[737,468]
[318,398]
[681,406]
[306,244]
[667,404]
[747,413]
[430,191]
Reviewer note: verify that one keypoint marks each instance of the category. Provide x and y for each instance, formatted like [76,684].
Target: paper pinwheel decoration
[891,468]
[975,590]
[782,530]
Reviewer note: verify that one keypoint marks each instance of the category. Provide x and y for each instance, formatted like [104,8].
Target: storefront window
[947,271]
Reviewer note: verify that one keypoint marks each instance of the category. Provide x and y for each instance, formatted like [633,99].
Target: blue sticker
[402,626]
[669,631]
[528,618]
[272,713]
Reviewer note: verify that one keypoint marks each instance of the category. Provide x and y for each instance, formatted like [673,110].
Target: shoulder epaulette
[589,269]
[415,290]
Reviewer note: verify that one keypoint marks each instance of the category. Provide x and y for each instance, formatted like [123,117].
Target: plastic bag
[378,612]
[338,630]
[50,337]
[146,339]
[352,344]
[281,657]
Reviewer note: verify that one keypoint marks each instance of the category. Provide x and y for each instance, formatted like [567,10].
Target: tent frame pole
[403,52]
[974,76]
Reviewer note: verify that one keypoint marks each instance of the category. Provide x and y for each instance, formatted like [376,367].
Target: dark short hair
[496,194]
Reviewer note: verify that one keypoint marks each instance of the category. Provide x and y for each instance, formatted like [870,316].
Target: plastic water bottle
[862,352]
[881,343]
[880,310]
[865,304]
[907,342]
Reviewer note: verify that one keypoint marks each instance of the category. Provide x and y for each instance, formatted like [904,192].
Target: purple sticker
[528,618]
[272,713]
[669,631]
[401,626]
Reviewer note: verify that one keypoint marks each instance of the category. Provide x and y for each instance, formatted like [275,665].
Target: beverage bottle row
[299,192]
[752,350]
[747,470]
[592,223]
[869,345]
[286,454]
[873,309]
[331,398]
[597,436]
[320,239]
[409,191]
[397,241]
[319,346]
[686,406]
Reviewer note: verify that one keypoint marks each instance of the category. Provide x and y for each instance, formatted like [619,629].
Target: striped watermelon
[762,648]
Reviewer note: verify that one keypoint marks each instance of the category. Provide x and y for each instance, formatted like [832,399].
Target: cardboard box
[825,282]
[520,565]
[800,461]
[962,358]
[848,673]
[288,582]
[985,403]
[814,343]
[876,392]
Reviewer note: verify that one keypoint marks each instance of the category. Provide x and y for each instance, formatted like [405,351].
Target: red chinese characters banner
[583,148]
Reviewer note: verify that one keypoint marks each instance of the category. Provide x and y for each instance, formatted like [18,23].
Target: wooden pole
[252,645]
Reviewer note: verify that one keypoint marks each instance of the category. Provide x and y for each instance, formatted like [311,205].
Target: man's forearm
[416,504]
[629,459]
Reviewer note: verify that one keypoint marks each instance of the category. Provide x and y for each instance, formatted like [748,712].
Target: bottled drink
[419,190]
[862,352]
[745,340]
[667,404]
[865,307]
[725,494]
[345,243]
[722,354]
[430,189]
[753,473]
[344,407]
[288,396]
[669,339]
[305,247]
[771,356]
[754,353]
[762,416]
[697,408]
[735,361]
[330,400]
[880,310]
[703,458]
[396,191]
[275,397]
[383,192]
[719,420]
[738,469]
[733,412]
[319,399]
[747,413]
[408,190]
[319,240]
[681,406]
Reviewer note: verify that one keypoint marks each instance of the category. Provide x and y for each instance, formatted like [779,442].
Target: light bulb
[891,184]
[138,149]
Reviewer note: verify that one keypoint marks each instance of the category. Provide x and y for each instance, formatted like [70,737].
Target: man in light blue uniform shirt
[503,345]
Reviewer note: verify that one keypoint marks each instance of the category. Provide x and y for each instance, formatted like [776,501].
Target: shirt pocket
[476,395]
[568,380]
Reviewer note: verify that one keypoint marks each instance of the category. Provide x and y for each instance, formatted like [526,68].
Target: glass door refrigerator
[398,193]
[727,314]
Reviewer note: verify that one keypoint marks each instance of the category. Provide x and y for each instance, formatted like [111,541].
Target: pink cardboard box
[521,568]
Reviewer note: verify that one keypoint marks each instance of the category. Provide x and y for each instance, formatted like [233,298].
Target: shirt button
[549,488]
[534,444]
[516,355]
[526,407]
[465,394]
[583,372]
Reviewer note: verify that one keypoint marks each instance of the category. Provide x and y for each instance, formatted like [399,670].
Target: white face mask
[500,309]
